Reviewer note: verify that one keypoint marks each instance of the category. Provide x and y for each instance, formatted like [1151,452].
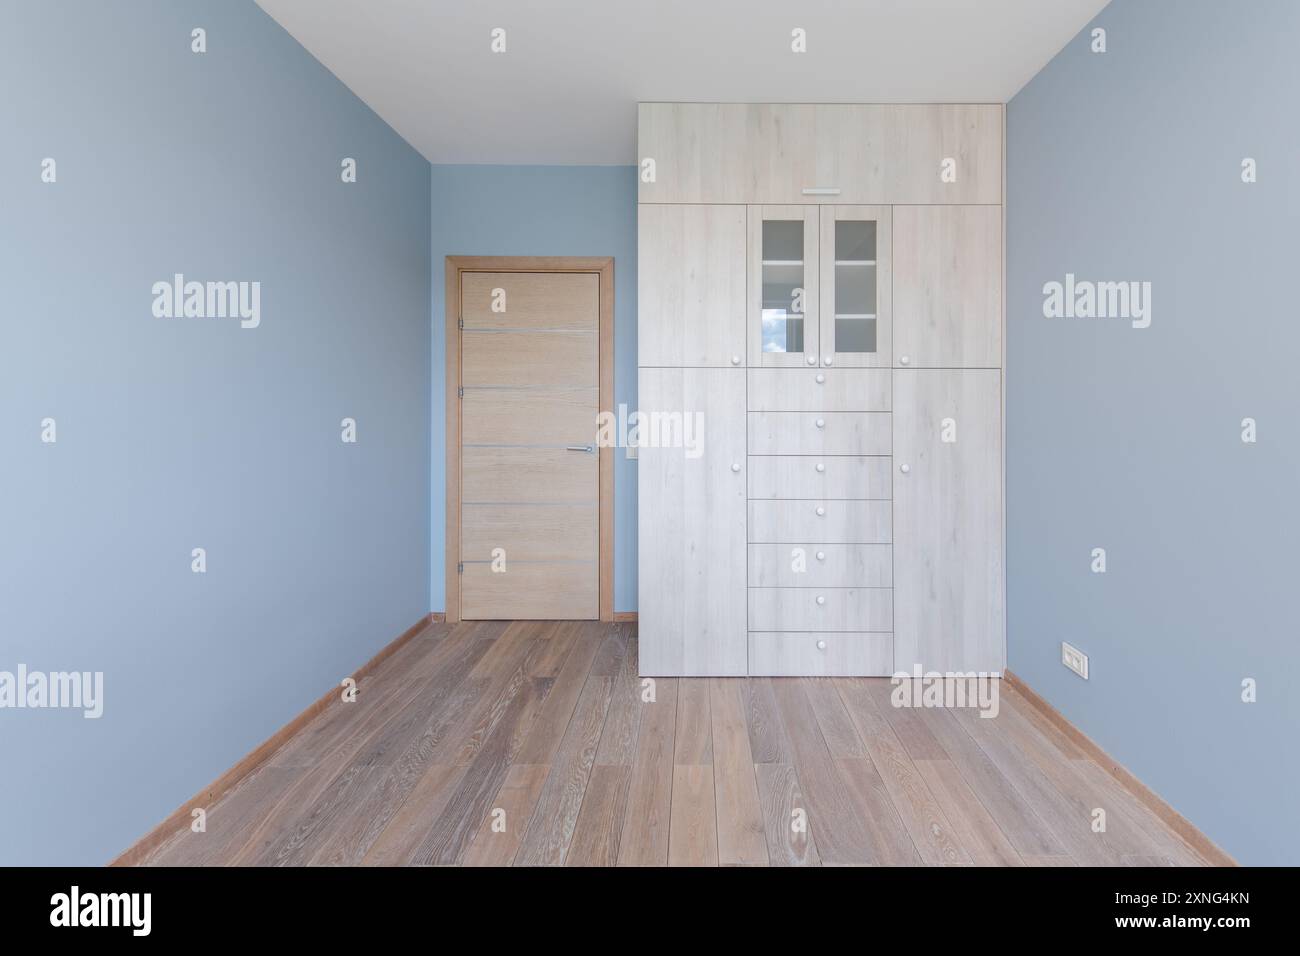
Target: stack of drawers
[820,522]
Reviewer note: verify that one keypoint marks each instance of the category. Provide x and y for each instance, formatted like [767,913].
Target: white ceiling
[565,90]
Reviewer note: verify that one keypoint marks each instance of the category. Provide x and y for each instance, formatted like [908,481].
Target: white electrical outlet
[1074,659]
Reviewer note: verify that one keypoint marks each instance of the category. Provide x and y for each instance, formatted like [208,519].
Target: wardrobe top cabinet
[820,153]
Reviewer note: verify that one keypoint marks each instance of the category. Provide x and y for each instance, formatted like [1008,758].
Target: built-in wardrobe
[820,355]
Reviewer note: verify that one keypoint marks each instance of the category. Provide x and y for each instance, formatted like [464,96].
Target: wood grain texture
[519,743]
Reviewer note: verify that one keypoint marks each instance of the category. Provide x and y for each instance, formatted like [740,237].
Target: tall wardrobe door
[948,562]
[691,481]
[691,298]
[947,286]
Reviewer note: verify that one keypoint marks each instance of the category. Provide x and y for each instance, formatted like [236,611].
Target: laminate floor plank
[785,817]
[645,830]
[741,837]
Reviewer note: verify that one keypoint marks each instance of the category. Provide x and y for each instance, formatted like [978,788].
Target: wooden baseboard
[1194,838]
[140,850]
[621,617]
[438,617]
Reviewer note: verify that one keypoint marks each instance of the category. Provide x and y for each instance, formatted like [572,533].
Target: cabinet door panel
[783,286]
[691,528]
[948,561]
[691,292]
[920,138]
[947,286]
[855,292]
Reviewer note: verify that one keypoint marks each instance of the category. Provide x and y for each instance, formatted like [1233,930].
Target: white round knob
[903,360]
[821,645]
[829,360]
[820,378]
[821,555]
[812,360]
[820,599]
[735,360]
[821,423]
[821,512]
[735,466]
[905,469]
[820,466]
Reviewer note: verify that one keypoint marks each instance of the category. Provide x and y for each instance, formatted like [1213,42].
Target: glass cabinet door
[783,326]
[855,286]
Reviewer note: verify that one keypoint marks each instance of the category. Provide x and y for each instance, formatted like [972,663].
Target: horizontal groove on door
[539,533]
[525,474]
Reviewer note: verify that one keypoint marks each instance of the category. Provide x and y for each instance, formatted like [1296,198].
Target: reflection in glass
[782,308]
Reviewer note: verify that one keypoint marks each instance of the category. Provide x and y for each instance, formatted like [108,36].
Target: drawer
[821,609]
[819,390]
[825,565]
[821,654]
[819,433]
[820,476]
[831,522]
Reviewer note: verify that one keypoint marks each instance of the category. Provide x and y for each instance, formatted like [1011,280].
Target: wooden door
[529,519]
[947,286]
[691,528]
[691,304]
[783,283]
[948,564]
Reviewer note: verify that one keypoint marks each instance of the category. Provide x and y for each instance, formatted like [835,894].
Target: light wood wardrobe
[820,290]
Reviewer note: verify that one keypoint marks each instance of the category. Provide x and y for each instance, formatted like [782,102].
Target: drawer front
[821,609]
[819,390]
[839,522]
[823,565]
[820,476]
[819,433]
[821,654]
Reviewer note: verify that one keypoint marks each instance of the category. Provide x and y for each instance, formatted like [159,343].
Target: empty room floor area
[531,743]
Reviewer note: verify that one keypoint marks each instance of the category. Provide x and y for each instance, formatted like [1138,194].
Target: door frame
[603,266]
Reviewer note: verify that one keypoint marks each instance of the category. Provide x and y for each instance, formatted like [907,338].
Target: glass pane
[855,335]
[783,285]
[783,240]
[855,288]
[855,285]
[855,240]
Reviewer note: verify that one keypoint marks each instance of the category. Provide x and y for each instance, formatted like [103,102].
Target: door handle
[587,448]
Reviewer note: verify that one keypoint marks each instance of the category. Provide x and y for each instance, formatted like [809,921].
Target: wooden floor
[529,743]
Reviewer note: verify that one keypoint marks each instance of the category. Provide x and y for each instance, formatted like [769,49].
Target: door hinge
[460,392]
[460,568]
[460,323]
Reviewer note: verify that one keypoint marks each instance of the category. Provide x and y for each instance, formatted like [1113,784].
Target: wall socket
[1074,659]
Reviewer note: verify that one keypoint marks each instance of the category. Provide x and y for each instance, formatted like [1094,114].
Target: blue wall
[183,433]
[540,211]
[1127,166]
